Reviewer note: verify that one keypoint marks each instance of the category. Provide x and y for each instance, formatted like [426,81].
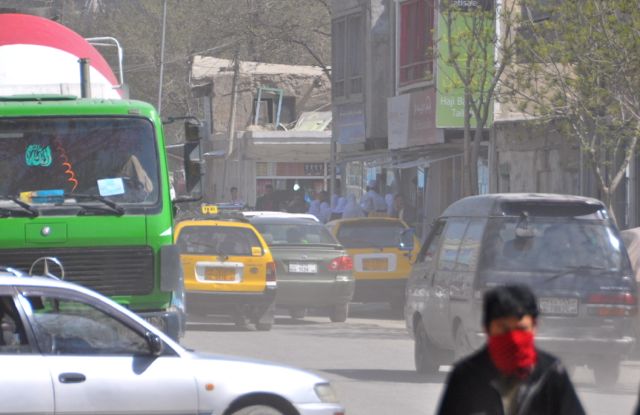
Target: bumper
[314,293]
[320,409]
[380,290]
[205,302]
[172,322]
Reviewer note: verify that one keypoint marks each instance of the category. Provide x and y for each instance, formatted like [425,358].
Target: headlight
[325,393]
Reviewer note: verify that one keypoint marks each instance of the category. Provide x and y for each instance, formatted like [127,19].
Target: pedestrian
[510,375]
[267,201]
[372,203]
[298,204]
[234,199]
[320,207]
[338,202]
[352,208]
[400,210]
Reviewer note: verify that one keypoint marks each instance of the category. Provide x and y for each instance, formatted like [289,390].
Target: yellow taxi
[227,268]
[383,250]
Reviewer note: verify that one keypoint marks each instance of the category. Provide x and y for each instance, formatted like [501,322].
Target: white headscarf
[352,209]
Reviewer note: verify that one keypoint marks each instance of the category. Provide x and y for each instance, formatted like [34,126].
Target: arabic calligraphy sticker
[36,155]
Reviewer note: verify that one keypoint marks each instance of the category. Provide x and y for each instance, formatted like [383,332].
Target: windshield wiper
[24,207]
[111,205]
[573,269]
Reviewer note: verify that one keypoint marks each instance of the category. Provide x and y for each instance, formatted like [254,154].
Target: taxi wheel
[264,326]
[339,313]
[257,410]
[461,346]
[298,312]
[424,352]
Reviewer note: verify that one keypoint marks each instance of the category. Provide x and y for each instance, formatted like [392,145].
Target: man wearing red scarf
[510,376]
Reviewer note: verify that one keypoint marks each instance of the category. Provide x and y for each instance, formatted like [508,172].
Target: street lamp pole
[164,30]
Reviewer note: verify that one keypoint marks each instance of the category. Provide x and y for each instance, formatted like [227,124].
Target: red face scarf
[513,353]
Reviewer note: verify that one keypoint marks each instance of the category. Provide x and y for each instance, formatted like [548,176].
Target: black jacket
[471,389]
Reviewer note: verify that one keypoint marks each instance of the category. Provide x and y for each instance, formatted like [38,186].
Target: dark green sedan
[312,269]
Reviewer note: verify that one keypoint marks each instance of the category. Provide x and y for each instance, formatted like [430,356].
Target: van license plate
[559,306]
[303,268]
[375,264]
[220,274]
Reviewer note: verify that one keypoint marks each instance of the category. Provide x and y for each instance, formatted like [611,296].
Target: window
[71,327]
[13,339]
[348,55]
[470,247]
[416,41]
[452,239]
[383,234]
[430,248]
[295,234]
[218,240]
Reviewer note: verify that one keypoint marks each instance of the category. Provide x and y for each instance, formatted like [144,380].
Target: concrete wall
[535,160]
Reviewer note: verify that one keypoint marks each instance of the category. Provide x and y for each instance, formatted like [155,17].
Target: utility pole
[164,30]
[232,119]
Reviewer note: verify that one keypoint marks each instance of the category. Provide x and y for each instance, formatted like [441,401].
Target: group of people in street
[336,206]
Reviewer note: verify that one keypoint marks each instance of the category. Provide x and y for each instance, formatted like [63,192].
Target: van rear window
[371,234]
[571,210]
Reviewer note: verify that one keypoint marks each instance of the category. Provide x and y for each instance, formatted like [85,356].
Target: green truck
[86,181]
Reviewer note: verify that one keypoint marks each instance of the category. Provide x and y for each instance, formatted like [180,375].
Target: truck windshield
[110,157]
[553,244]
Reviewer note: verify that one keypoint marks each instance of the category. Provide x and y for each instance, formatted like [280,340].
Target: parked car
[565,247]
[227,268]
[381,257]
[314,270]
[66,349]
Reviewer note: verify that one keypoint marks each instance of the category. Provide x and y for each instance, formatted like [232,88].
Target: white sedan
[67,350]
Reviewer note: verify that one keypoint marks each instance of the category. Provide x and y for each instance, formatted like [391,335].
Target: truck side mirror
[194,133]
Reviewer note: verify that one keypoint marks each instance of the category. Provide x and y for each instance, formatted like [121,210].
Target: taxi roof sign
[209,209]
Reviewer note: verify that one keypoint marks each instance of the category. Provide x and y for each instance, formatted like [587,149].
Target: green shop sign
[450,89]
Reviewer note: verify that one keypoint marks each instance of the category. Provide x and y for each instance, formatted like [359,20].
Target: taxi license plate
[559,306]
[375,264]
[303,268]
[220,274]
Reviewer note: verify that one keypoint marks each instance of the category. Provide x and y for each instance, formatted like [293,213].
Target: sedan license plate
[559,306]
[303,268]
[375,264]
[220,274]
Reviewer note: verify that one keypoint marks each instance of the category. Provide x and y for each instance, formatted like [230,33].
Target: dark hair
[514,300]
[234,188]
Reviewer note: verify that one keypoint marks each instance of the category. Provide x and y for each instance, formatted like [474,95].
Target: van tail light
[612,304]
[271,273]
[343,263]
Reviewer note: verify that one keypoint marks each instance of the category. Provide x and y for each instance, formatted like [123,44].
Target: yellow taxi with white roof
[227,268]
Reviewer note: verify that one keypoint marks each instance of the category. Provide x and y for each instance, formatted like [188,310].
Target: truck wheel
[339,313]
[606,372]
[424,353]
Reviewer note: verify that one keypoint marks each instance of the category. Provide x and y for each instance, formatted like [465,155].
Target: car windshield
[218,240]
[371,234]
[553,245]
[110,157]
[295,234]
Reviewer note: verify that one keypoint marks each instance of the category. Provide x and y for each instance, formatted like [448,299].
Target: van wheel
[461,346]
[339,313]
[424,353]
[606,372]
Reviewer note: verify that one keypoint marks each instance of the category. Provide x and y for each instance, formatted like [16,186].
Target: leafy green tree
[578,68]
[478,51]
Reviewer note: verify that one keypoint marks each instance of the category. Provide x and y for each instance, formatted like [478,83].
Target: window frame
[427,48]
[349,58]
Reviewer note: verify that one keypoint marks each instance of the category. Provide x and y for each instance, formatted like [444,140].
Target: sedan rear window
[371,234]
[295,234]
[217,240]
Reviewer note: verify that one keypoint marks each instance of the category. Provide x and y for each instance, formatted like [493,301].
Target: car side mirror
[407,237]
[156,345]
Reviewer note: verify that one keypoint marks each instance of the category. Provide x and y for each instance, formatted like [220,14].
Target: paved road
[369,360]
